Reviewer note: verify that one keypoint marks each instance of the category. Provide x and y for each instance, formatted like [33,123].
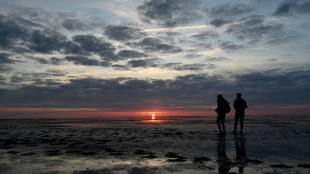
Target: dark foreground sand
[271,144]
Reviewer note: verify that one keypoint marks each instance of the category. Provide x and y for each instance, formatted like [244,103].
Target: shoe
[221,133]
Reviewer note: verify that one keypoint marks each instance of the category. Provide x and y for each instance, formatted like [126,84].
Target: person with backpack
[240,105]
[221,110]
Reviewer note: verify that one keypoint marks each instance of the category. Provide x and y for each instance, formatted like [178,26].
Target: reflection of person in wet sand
[222,109]
[223,161]
[241,159]
[240,105]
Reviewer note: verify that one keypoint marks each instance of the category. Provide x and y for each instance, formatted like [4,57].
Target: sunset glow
[154,86]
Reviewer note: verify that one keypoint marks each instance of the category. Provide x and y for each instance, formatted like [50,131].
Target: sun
[153,116]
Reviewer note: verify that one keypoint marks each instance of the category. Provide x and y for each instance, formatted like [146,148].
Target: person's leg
[241,122]
[219,124]
[236,122]
[223,123]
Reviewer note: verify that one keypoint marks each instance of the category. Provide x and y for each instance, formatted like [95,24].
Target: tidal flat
[269,144]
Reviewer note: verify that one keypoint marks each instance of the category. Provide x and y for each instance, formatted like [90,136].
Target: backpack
[227,109]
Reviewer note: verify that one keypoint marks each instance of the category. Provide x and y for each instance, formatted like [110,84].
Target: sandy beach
[270,144]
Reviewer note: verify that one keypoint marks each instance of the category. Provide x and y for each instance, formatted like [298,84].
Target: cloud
[229,46]
[120,67]
[41,60]
[228,10]
[47,41]
[266,87]
[170,13]
[145,63]
[206,35]
[36,78]
[11,31]
[188,67]
[52,60]
[192,56]
[81,60]
[33,14]
[219,22]
[4,59]
[155,45]
[131,54]
[254,28]
[56,61]
[92,44]
[138,63]
[217,59]
[123,33]
[80,24]
[2,79]
[20,35]
[227,13]
[5,68]
[276,87]
[169,37]
[289,8]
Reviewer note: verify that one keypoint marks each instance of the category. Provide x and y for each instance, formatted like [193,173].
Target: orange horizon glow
[24,112]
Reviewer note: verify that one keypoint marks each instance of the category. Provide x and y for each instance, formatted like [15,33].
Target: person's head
[238,95]
[219,96]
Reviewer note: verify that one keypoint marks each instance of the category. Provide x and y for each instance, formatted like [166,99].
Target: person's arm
[245,104]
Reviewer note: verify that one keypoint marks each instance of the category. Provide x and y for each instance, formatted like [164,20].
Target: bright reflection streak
[204,26]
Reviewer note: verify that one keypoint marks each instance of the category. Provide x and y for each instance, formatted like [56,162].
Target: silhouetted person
[222,109]
[223,161]
[241,159]
[240,105]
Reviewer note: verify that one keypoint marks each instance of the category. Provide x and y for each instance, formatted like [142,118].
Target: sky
[75,58]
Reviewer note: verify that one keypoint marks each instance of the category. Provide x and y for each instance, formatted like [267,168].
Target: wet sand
[270,144]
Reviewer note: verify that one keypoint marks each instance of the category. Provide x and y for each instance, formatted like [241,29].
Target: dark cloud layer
[255,28]
[131,54]
[77,24]
[81,60]
[189,90]
[123,33]
[5,59]
[92,44]
[155,45]
[145,63]
[41,60]
[37,78]
[229,46]
[170,12]
[291,7]
[10,31]
[56,61]
[188,67]
[47,41]
[227,13]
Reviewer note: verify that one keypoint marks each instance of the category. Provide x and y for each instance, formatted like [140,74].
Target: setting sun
[153,116]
